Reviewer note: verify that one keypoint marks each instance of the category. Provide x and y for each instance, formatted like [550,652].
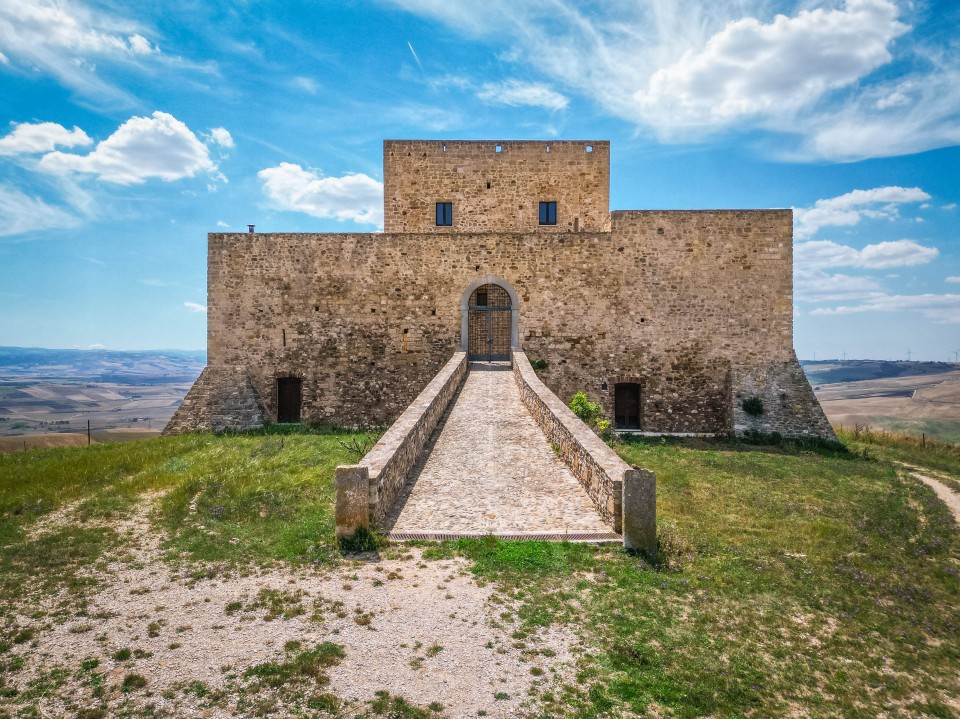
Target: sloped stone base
[789,405]
[221,400]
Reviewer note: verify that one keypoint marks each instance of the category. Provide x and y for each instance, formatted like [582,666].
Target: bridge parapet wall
[385,467]
[597,467]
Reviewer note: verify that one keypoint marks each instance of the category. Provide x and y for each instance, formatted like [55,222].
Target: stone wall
[593,463]
[222,399]
[676,301]
[495,191]
[789,404]
[386,466]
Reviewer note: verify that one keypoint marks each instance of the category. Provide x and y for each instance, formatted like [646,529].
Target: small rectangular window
[548,213]
[444,214]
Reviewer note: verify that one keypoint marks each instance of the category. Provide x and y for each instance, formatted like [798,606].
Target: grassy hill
[792,580]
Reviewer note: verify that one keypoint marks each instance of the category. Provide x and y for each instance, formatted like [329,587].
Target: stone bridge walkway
[488,469]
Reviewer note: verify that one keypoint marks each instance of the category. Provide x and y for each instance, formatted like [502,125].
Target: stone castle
[674,321]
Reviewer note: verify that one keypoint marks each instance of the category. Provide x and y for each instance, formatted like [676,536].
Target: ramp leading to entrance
[489,469]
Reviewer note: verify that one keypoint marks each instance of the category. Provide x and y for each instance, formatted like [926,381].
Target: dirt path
[424,630]
[946,495]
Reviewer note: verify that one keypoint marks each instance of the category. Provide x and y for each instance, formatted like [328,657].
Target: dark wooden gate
[626,405]
[489,323]
[289,399]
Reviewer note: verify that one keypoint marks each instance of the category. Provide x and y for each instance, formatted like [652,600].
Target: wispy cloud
[23,213]
[354,198]
[66,39]
[941,309]
[880,256]
[850,208]
[194,307]
[689,70]
[516,94]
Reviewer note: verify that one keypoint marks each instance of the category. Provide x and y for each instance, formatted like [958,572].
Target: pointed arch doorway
[489,316]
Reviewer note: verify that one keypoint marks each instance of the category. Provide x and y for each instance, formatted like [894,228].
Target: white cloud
[221,136]
[194,307]
[818,254]
[924,119]
[221,223]
[141,148]
[815,285]
[97,346]
[942,309]
[355,198]
[516,93]
[65,38]
[29,137]
[22,213]
[685,69]
[951,206]
[305,84]
[773,69]
[955,278]
[849,209]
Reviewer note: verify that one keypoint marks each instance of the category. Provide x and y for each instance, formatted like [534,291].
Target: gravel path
[423,630]
[491,470]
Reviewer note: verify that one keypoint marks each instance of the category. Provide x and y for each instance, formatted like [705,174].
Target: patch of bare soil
[426,631]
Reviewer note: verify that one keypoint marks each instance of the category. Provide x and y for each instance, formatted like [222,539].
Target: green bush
[752,406]
[588,412]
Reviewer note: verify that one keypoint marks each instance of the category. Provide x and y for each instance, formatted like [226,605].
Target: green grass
[251,498]
[789,579]
[796,578]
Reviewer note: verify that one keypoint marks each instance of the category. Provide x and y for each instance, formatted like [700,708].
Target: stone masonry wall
[674,300]
[222,399]
[789,404]
[593,463]
[495,191]
[392,458]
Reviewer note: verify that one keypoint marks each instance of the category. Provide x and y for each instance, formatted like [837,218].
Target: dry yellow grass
[44,441]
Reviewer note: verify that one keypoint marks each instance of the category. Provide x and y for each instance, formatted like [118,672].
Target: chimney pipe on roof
[250,229]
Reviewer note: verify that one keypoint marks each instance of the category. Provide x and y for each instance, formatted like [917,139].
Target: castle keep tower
[669,319]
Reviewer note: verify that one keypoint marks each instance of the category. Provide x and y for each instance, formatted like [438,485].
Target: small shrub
[539,364]
[363,540]
[122,655]
[588,412]
[132,682]
[752,406]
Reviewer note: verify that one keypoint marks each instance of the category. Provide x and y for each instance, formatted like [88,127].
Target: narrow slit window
[548,213]
[444,214]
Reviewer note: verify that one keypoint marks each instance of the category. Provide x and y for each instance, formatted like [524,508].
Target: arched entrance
[489,320]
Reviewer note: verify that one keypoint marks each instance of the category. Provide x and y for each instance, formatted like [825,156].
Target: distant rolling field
[920,403]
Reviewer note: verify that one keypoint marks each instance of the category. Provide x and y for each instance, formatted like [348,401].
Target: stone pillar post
[640,511]
[353,502]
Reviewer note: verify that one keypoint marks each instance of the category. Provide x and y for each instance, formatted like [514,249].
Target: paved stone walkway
[491,470]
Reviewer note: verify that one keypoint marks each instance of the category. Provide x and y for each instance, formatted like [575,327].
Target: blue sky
[128,134]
